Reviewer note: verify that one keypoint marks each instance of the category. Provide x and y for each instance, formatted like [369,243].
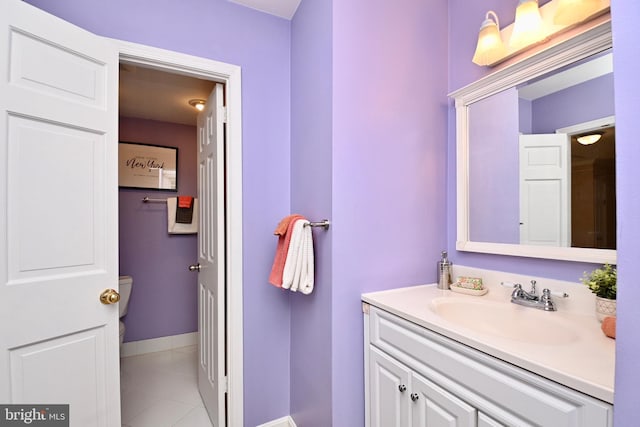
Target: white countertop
[585,363]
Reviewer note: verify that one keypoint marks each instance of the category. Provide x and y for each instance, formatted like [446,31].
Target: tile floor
[161,390]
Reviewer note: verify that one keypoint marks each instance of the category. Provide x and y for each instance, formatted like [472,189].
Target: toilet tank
[125,283]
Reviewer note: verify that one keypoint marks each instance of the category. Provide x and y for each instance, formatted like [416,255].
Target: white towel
[176,227]
[298,274]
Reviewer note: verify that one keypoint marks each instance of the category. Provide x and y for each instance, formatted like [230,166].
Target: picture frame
[147,166]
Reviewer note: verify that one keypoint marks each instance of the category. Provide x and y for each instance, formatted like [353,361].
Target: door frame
[230,75]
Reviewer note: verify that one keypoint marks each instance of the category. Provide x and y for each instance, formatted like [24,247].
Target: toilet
[125,283]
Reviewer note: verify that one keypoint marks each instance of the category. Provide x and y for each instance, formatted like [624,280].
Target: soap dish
[467,291]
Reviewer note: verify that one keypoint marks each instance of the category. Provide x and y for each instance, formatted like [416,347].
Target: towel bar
[324,224]
[148,200]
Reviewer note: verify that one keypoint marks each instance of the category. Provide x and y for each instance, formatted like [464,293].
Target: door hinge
[222,113]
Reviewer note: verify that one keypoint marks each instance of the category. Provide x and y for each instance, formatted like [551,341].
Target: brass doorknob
[109,296]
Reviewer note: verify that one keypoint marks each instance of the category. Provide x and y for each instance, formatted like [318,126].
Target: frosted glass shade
[589,139]
[490,47]
[527,28]
[573,11]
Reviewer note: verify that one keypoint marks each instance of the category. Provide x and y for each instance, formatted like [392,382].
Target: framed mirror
[525,185]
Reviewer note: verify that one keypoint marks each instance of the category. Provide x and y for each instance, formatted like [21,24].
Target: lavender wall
[260,44]
[581,103]
[389,146]
[493,169]
[311,191]
[627,98]
[464,20]
[164,298]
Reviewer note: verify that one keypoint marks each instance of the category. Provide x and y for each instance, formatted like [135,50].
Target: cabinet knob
[402,388]
[414,396]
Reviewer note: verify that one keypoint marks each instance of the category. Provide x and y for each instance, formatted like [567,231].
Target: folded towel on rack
[284,230]
[184,211]
[178,228]
[298,274]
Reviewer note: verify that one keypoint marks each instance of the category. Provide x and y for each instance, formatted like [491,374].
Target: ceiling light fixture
[571,12]
[589,139]
[527,28]
[490,47]
[197,103]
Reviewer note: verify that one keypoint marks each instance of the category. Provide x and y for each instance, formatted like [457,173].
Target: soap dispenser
[444,272]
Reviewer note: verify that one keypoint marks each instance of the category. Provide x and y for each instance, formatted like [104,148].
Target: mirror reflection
[533,177]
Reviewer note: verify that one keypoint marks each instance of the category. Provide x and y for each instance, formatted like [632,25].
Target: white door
[58,221]
[211,243]
[545,183]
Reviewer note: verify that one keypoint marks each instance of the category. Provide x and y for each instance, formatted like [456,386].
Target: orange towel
[609,327]
[284,230]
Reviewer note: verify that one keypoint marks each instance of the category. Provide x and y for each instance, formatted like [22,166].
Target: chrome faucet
[531,299]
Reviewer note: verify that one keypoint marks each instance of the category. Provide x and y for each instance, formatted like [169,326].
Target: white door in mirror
[544,190]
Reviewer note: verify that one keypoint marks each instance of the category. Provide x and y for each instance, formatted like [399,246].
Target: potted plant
[602,282]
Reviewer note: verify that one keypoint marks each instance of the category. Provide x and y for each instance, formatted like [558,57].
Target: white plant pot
[605,307]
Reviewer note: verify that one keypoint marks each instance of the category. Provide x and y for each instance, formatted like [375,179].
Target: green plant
[602,281]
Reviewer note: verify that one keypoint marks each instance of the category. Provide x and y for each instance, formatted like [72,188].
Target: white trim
[134,348]
[589,126]
[230,75]
[593,40]
[280,422]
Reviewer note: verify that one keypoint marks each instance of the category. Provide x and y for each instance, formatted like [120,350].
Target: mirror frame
[575,47]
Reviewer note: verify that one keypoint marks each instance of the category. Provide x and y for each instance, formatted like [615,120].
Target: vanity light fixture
[527,28]
[534,25]
[490,47]
[589,139]
[570,12]
[198,104]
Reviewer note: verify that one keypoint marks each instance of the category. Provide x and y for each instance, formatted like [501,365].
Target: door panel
[63,240]
[77,359]
[211,244]
[66,74]
[58,148]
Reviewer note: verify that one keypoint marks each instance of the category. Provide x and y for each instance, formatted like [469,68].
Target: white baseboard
[280,422]
[134,348]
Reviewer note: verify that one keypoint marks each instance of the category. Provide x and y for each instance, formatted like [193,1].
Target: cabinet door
[433,406]
[389,391]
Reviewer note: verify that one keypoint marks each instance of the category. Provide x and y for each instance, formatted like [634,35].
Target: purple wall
[493,171]
[389,146]
[311,190]
[260,44]
[627,98]
[581,103]
[163,298]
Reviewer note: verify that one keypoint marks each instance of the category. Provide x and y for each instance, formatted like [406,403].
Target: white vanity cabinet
[416,377]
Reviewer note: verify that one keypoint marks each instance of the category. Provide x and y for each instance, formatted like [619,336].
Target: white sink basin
[505,320]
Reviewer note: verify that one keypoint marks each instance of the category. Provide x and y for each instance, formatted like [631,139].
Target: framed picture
[147,166]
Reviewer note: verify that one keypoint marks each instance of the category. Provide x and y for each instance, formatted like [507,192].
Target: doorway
[202,69]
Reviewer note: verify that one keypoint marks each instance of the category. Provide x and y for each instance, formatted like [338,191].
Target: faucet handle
[533,287]
[510,285]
